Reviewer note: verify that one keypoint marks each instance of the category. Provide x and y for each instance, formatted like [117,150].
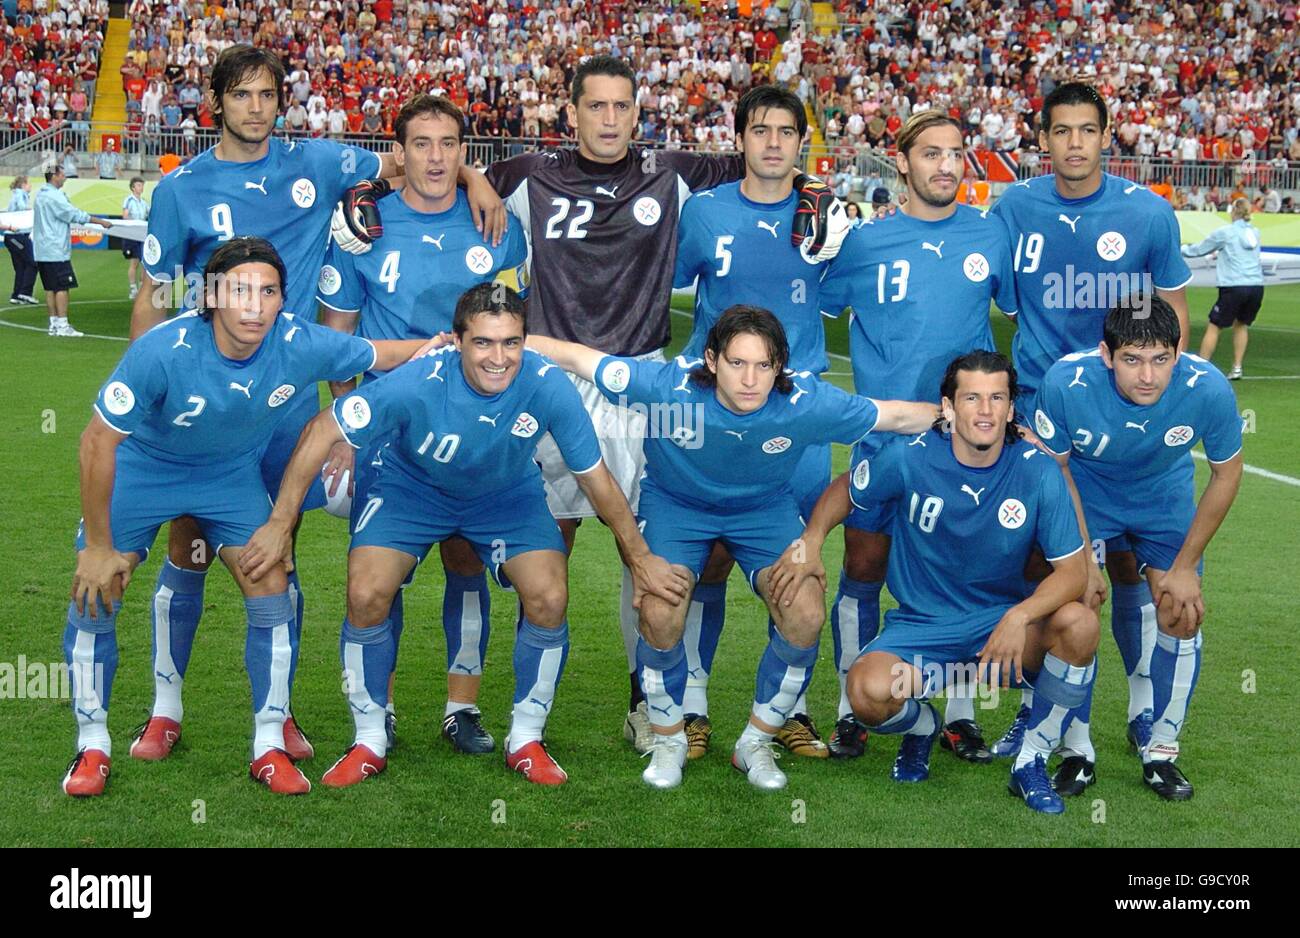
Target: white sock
[958,705]
[696,698]
[753,734]
[629,621]
[455,706]
[801,705]
[1077,741]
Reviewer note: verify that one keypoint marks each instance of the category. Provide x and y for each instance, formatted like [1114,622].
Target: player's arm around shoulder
[573,357]
[907,417]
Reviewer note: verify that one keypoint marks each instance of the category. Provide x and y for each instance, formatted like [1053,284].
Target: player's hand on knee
[356,223]
[270,544]
[1096,592]
[341,464]
[786,577]
[102,576]
[820,221]
[657,577]
[1000,658]
[1179,600]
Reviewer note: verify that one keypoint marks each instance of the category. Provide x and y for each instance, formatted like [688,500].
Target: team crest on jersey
[976,267]
[1043,425]
[862,474]
[1011,513]
[280,395]
[616,377]
[778,444]
[118,398]
[478,259]
[525,425]
[647,211]
[356,413]
[330,280]
[304,193]
[1178,436]
[152,250]
[682,436]
[1111,246]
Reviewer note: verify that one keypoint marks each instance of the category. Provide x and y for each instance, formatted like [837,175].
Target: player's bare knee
[368,605]
[802,622]
[1078,631]
[660,626]
[546,606]
[870,696]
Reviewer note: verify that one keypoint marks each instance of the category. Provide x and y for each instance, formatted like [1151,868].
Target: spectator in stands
[109,160]
[68,164]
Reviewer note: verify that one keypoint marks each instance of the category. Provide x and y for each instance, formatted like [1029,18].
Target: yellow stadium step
[825,22]
[816,140]
[110,97]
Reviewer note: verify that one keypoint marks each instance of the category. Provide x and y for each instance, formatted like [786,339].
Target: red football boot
[535,764]
[87,774]
[296,743]
[156,739]
[358,764]
[278,773]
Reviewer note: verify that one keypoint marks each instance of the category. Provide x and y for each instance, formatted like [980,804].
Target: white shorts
[622,446]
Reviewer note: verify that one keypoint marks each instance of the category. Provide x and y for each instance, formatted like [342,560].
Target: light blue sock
[466,621]
[367,657]
[175,612]
[916,718]
[1175,667]
[783,675]
[268,657]
[663,681]
[855,620]
[1133,623]
[90,650]
[1059,690]
[295,630]
[539,659]
[704,621]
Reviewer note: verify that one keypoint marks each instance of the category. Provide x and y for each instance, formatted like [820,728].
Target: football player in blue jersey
[462,428]
[725,437]
[731,244]
[406,287]
[179,429]
[919,283]
[1083,241]
[975,501]
[1124,418]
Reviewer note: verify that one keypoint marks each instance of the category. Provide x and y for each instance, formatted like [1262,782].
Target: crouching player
[462,427]
[726,437]
[1131,411]
[974,500]
[179,429]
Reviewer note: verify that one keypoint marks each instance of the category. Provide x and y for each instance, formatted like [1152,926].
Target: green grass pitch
[1237,748]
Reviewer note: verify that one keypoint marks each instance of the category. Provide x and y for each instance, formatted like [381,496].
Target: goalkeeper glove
[355,223]
[820,222]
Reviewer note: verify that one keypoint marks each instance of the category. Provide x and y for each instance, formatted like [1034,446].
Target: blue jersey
[407,285]
[1075,259]
[446,434]
[286,197]
[704,454]
[920,293]
[1132,458]
[182,401]
[962,535]
[741,252]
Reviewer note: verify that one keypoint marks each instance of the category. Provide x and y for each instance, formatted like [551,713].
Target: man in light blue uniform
[248,184]
[53,216]
[134,208]
[1240,277]
[180,429]
[406,286]
[1083,241]
[732,244]
[974,502]
[462,428]
[1125,417]
[920,283]
[725,437]
[18,239]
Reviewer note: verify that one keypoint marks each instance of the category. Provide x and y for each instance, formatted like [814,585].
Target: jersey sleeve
[334,355]
[1222,436]
[570,424]
[875,477]
[1213,243]
[1057,532]
[339,286]
[628,380]
[379,407]
[513,272]
[338,167]
[691,237]
[165,246]
[1168,269]
[507,175]
[846,417]
[1049,422]
[703,171]
[134,390]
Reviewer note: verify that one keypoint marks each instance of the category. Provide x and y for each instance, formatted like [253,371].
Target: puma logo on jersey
[769,226]
[1134,187]
[798,393]
[738,434]
[1078,378]
[1069,221]
[182,171]
[180,340]
[437,242]
[437,367]
[936,248]
[484,418]
[1196,374]
[244,388]
[919,441]
[973,494]
[686,380]
[259,186]
[288,336]
[1137,426]
[546,366]
[611,191]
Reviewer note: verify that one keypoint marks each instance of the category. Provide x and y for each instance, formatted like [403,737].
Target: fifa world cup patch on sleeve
[616,376]
[356,413]
[118,398]
[862,474]
[1043,425]
[330,280]
[152,250]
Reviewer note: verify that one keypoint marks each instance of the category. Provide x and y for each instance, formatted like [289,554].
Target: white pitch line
[1269,378]
[45,329]
[1255,470]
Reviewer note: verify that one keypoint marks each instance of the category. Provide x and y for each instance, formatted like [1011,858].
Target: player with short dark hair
[1124,418]
[407,286]
[726,436]
[461,427]
[179,429]
[976,501]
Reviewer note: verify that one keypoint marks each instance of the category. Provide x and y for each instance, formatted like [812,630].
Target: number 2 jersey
[445,434]
[963,534]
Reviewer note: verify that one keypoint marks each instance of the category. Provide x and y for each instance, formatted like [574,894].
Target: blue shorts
[811,476]
[392,509]
[278,452]
[876,517]
[1156,545]
[684,533]
[228,500]
[931,648]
